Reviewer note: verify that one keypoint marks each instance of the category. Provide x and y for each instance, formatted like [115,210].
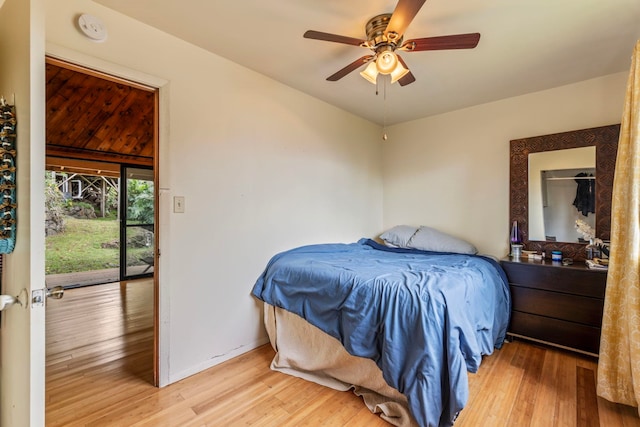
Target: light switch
[178,204]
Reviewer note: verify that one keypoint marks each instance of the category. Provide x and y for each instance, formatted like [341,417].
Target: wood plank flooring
[99,370]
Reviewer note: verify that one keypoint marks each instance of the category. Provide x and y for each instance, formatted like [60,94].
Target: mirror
[605,141]
[561,190]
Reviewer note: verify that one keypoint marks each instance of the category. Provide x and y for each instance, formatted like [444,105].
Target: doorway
[96,118]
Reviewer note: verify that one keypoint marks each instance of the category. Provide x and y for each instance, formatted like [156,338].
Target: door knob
[56,292]
[9,300]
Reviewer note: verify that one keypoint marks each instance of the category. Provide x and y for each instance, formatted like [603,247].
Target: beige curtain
[619,363]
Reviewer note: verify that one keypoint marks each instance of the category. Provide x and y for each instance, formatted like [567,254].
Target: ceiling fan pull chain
[384,108]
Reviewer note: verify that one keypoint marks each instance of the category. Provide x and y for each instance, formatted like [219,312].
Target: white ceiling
[525,46]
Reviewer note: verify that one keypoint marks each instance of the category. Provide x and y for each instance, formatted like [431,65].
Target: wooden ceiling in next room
[93,116]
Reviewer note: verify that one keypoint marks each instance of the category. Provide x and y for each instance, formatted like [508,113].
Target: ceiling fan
[384,37]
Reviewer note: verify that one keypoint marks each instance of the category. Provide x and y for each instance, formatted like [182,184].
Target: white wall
[451,171]
[262,167]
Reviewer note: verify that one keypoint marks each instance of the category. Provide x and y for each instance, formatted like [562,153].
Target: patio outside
[83,229]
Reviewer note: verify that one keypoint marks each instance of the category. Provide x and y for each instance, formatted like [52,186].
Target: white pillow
[398,236]
[430,239]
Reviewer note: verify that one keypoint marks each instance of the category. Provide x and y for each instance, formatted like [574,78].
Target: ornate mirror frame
[605,139]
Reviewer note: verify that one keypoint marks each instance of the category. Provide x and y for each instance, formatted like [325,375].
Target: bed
[402,327]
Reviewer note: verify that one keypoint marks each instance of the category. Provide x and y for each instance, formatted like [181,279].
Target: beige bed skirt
[304,351]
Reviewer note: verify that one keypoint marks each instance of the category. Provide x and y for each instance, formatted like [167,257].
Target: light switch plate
[178,204]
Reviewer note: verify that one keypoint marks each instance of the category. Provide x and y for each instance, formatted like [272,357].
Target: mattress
[304,351]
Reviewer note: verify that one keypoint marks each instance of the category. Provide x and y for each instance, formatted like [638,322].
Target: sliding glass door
[137,222]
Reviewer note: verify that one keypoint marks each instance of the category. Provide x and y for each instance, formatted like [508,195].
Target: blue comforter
[425,318]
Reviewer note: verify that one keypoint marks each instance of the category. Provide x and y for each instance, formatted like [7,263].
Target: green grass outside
[79,248]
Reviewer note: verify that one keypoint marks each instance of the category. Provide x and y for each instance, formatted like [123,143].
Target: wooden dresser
[556,304]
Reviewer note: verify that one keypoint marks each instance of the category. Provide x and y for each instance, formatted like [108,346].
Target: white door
[22,330]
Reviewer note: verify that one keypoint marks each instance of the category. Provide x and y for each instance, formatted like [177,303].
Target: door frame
[126,75]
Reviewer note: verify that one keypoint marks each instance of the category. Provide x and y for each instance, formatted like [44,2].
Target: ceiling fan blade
[318,35]
[407,78]
[402,16]
[349,68]
[458,41]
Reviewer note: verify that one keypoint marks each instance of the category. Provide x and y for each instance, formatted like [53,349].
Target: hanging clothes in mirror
[585,201]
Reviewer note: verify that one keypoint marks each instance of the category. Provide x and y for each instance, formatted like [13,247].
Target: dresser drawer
[556,331]
[560,305]
[567,279]
[574,308]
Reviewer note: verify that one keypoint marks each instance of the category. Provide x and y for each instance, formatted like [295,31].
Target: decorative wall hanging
[7,177]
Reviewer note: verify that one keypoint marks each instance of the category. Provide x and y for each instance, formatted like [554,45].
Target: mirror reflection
[561,190]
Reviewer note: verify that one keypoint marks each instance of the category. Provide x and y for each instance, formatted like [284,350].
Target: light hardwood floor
[99,369]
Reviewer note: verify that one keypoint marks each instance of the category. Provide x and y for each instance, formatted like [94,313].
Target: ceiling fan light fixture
[370,73]
[398,73]
[386,62]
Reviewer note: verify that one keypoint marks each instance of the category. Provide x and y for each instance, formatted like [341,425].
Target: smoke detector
[92,27]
